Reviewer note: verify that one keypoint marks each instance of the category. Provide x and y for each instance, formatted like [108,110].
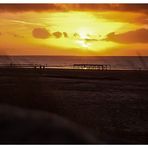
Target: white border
[74,146]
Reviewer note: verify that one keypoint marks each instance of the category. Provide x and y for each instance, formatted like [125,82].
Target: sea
[116,62]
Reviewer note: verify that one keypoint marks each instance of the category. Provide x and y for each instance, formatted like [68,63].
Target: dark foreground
[111,104]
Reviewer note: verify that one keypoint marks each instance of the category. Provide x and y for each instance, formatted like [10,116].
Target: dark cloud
[116,7]
[143,8]
[137,36]
[74,7]
[41,33]
[76,36]
[65,34]
[90,40]
[57,34]
[29,7]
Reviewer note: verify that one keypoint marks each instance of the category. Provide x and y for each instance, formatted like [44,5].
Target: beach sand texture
[113,105]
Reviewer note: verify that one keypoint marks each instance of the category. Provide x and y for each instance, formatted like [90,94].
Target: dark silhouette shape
[20,126]
[142,61]
[92,66]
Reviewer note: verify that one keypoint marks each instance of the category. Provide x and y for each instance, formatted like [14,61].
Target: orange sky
[74,29]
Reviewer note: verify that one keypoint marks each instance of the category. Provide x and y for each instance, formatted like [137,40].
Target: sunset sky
[74,29]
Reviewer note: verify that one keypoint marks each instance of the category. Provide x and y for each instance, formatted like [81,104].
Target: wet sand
[112,104]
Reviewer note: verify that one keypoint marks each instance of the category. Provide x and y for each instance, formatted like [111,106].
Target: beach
[113,105]
[74,73]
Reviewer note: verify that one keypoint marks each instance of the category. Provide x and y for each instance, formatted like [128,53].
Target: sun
[83,35]
[84,32]
[83,44]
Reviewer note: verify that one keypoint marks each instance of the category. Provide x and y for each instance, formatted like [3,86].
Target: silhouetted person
[43,67]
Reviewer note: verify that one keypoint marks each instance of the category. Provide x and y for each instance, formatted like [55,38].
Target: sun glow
[85,32]
[83,35]
[63,33]
[82,43]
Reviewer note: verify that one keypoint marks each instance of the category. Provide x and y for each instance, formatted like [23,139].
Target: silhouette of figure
[35,67]
[11,65]
[43,67]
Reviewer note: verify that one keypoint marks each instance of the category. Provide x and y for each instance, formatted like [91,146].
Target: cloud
[41,33]
[57,34]
[138,8]
[65,34]
[143,8]
[136,36]
[28,7]
[76,36]
[90,40]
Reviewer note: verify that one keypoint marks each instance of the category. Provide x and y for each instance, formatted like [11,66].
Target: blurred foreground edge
[24,126]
